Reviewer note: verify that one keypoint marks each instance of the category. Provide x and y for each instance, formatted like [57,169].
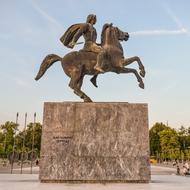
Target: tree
[188,131]
[184,141]
[169,143]
[8,130]
[1,149]
[32,130]
[1,143]
[1,136]
[154,138]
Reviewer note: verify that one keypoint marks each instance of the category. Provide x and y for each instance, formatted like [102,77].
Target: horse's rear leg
[79,92]
[76,83]
[130,60]
[129,70]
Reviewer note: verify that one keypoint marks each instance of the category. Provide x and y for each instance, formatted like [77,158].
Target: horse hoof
[142,73]
[141,85]
[87,100]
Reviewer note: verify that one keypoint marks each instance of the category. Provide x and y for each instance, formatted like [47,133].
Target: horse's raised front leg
[130,60]
[129,70]
[76,83]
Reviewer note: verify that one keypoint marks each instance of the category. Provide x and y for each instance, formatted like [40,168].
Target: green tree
[169,143]
[188,131]
[9,148]
[188,142]
[1,149]
[184,141]
[7,138]
[1,137]
[7,134]
[1,143]
[154,138]
[33,130]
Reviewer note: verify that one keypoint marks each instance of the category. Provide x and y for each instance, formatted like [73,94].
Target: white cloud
[45,15]
[159,32]
[181,29]
[171,14]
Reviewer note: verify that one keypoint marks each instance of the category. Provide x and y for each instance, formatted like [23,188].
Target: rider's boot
[99,69]
[93,80]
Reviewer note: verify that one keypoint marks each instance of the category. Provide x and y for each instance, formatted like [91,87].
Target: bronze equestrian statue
[94,58]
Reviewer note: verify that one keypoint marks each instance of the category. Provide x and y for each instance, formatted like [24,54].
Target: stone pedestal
[95,142]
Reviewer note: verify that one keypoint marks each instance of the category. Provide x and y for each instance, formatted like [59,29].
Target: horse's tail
[46,63]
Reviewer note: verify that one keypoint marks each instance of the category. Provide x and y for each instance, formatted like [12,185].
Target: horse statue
[77,64]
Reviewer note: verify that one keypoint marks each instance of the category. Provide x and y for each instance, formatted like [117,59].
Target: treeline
[167,143]
[21,141]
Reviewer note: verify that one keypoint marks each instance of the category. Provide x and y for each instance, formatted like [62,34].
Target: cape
[70,32]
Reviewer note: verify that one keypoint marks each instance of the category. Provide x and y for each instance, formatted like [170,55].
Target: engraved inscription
[63,140]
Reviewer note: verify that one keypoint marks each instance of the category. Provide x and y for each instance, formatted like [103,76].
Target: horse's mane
[103,32]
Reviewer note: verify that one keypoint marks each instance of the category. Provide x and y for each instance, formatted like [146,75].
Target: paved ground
[166,180]
[155,170]
[17,168]
[162,170]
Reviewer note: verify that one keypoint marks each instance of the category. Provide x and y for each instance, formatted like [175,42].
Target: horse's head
[121,35]
[113,33]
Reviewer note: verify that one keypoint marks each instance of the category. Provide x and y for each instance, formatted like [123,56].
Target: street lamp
[13,154]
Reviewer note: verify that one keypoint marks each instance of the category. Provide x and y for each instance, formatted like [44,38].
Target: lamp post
[23,143]
[5,141]
[13,154]
[32,153]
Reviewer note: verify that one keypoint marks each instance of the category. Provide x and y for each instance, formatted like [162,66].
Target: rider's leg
[100,62]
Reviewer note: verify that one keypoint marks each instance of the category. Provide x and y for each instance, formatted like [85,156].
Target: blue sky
[159,34]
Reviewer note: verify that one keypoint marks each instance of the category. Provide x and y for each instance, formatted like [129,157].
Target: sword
[78,43]
[71,46]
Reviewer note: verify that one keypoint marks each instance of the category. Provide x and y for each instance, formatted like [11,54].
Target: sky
[159,34]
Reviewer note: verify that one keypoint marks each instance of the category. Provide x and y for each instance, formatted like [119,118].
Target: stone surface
[95,142]
[31,182]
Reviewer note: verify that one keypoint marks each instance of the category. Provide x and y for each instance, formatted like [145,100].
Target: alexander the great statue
[93,58]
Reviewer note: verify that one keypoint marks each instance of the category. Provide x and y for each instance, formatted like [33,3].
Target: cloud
[159,32]
[181,29]
[45,15]
[171,14]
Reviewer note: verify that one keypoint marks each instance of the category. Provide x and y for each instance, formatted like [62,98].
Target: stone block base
[95,142]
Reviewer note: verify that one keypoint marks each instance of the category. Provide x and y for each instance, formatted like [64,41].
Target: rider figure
[88,31]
